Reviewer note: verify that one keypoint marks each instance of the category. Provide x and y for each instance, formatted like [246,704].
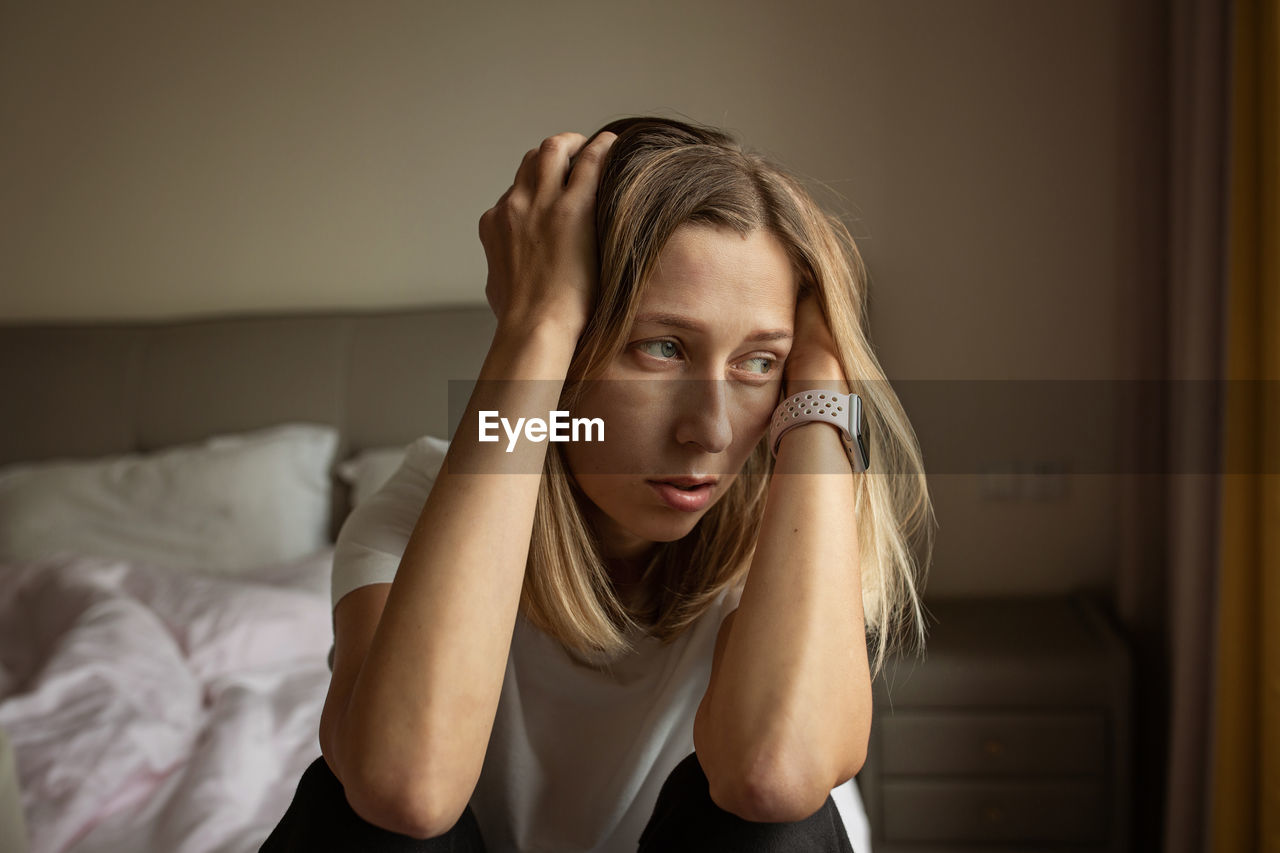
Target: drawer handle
[993,747]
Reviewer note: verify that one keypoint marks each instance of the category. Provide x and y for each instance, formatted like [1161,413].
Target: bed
[169,496]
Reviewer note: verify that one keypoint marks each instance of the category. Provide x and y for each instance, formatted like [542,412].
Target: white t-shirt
[578,754]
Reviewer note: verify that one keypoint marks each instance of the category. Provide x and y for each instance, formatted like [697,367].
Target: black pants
[685,819]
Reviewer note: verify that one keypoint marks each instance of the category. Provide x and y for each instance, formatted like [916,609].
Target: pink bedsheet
[151,710]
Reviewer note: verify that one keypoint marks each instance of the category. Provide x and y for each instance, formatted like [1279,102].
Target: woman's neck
[626,574]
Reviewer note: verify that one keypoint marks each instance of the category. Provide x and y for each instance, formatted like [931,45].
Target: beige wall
[166,160]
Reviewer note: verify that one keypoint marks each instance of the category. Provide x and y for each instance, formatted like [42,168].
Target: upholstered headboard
[87,390]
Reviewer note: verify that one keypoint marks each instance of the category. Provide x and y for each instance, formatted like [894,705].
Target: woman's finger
[585,176]
[553,161]
[526,175]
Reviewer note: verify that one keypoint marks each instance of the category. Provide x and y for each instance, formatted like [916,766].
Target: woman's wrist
[532,351]
[548,327]
[821,375]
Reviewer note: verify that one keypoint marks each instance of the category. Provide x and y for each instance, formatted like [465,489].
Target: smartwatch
[842,411]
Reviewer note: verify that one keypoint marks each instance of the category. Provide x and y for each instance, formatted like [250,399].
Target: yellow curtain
[1245,808]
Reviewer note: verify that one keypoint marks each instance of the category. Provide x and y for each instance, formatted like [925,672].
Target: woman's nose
[704,414]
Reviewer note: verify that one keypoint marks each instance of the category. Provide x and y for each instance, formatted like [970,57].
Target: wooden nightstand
[1012,734]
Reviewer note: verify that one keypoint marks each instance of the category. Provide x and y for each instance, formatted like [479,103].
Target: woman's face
[693,389]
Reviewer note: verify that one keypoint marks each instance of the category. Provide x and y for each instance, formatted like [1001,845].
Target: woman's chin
[671,529]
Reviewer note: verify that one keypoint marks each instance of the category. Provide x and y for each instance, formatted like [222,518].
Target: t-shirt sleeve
[372,540]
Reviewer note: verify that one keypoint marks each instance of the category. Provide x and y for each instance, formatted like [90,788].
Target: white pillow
[369,470]
[228,504]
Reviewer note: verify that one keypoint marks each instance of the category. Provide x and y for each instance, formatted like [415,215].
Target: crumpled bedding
[156,710]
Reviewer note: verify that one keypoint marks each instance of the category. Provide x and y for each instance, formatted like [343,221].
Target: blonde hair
[658,175]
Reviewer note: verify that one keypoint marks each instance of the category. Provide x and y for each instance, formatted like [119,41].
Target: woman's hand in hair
[813,361]
[540,237]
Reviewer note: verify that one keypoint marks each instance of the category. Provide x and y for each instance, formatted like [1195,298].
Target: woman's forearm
[422,707]
[787,715]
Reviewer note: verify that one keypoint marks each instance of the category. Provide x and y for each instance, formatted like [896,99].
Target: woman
[659,638]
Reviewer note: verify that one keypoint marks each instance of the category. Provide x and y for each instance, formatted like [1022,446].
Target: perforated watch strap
[828,407]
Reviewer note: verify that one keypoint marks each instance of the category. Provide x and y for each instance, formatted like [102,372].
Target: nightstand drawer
[929,743]
[1008,811]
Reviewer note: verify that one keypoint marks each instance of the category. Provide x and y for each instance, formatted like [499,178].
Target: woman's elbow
[407,808]
[390,798]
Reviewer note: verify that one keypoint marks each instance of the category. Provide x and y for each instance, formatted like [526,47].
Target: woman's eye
[668,350]
[766,365]
[660,349]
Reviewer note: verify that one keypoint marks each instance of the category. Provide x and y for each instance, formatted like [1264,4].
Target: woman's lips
[685,500]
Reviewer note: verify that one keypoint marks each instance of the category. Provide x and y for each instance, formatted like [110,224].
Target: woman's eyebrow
[678,322]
